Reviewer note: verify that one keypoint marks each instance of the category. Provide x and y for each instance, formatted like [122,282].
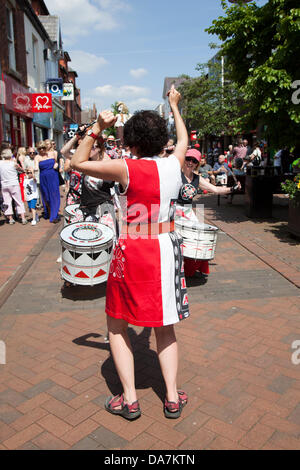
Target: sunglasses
[42,148]
[31,153]
[191,159]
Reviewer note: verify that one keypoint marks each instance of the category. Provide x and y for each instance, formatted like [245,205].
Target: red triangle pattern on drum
[100,273]
[66,270]
[82,274]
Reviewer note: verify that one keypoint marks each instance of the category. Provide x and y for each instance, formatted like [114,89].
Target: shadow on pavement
[79,293]
[282,233]
[147,369]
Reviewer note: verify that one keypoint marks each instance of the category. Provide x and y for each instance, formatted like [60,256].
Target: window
[11,38]
[34,52]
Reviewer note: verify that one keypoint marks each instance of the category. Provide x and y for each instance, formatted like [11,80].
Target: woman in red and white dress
[146,284]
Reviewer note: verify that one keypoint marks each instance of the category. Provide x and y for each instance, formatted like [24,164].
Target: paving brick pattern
[244,390]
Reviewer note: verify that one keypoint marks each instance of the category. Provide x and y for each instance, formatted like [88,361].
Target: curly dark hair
[146,131]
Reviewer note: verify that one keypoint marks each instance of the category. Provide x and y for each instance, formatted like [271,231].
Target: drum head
[86,234]
[72,209]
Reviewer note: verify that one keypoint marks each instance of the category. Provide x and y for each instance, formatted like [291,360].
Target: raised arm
[66,150]
[182,136]
[108,170]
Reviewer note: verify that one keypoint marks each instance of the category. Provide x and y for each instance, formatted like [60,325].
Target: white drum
[199,240]
[86,253]
[72,214]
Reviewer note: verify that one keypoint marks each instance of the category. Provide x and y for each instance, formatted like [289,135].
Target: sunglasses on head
[191,159]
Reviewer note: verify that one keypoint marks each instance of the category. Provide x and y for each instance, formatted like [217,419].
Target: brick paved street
[244,390]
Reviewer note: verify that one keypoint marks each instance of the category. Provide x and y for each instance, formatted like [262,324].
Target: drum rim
[194,227]
[69,226]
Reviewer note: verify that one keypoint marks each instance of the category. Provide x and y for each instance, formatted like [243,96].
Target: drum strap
[134,228]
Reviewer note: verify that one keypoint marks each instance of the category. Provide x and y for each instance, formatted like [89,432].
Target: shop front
[41,126]
[58,124]
[17,118]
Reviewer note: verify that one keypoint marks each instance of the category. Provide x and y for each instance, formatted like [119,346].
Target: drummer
[191,182]
[97,195]
[75,183]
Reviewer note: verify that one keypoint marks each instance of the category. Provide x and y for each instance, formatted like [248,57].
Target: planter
[294,219]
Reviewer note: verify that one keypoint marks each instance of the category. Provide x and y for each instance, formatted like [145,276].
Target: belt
[155,228]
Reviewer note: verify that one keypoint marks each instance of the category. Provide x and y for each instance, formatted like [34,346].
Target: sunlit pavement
[236,355]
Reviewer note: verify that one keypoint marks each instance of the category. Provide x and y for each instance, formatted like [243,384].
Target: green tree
[262,49]
[112,130]
[210,102]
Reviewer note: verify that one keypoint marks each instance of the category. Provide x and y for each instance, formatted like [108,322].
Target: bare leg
[121,350]
[167,351]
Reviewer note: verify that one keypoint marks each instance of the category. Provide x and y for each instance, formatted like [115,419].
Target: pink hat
[193,153]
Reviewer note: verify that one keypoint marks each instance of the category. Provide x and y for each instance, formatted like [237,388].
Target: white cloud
[136,98]
[84,62]
[82,17]
[121,93]
[138,73]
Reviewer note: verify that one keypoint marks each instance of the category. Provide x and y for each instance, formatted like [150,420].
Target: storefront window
[23,133]
[7,131]
[16,137]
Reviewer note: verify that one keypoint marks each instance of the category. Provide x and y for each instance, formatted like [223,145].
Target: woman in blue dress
[49,183]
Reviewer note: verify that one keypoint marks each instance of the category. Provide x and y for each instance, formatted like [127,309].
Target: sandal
[173,410]
[127,411]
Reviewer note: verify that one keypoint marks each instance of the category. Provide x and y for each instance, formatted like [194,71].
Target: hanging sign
[41,102]
[193,135]
[68,92]
[22,102]
[55,87]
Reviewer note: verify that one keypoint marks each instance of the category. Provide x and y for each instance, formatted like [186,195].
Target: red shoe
[117,406]
[173,410]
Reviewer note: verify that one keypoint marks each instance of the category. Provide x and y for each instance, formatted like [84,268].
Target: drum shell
[85,265]
[199,242]
[72,214]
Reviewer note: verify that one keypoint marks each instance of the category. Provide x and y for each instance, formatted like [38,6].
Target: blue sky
[123,49]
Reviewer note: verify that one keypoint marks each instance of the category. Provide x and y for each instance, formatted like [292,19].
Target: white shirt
[8,174]
[30,189]
[277,158]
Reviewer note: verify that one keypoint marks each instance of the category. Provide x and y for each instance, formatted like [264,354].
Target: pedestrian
[31,194]
[49,183]
[239,151]
[145,285]
[10,186]
[73,178]
[255,158]
[21,157]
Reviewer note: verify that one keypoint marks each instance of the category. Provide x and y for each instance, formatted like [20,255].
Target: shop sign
[16,99]
[68,92]
[41,102]
[55,87]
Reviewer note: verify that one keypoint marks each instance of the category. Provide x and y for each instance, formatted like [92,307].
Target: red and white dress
[146,284]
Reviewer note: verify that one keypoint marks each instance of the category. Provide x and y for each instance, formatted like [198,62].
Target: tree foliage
[262,48]
[210,102]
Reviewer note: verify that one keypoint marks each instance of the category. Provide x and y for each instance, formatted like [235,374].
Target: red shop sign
[41,102]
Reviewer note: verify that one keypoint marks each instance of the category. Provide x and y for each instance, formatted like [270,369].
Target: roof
[52,26]
[170,81]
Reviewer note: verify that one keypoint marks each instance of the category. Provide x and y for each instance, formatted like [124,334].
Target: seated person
[239,167]
[221,170]
[206,170]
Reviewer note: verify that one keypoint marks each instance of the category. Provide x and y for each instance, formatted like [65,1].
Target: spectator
[239,167]
[249,149]
[206,170]
[10,186]
[240,151]
[30,165]
[21,157]
[49,183]
[255,158]
[31,194]
[221,170]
